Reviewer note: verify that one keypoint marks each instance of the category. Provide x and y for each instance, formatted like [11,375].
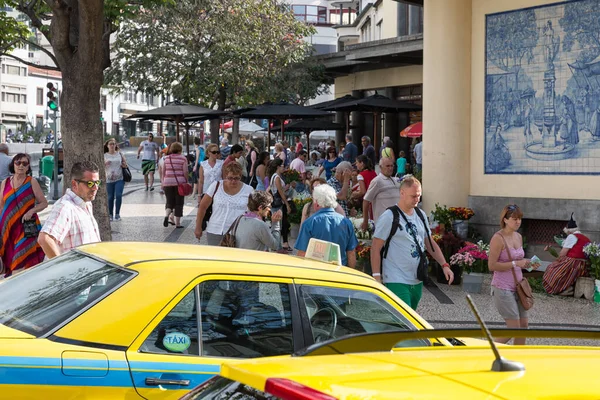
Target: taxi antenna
[500,364]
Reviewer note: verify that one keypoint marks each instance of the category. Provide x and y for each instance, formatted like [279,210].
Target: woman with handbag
[228,198]
[114,162]
[21,199]
[174,173]
[507,261]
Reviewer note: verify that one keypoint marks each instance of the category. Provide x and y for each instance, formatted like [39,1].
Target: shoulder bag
[423,267]
[184,189]
[126,171]
[30,226]
[524,291]
[277,200]
[229,238]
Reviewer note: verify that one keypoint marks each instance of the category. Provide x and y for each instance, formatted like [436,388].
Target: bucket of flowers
[291,175]
[363,257]
[299,201]
[358,230]
[473,260]
[460,216]
[592,251]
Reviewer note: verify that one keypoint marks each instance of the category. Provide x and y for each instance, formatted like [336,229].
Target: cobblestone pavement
[443,306]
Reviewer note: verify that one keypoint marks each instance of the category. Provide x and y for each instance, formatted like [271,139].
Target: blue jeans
[115,192]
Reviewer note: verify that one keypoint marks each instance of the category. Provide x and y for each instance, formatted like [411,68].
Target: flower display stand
[472,282]
[461,227]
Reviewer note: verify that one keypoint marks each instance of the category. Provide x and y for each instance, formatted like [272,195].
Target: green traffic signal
[52,97]
[52,105]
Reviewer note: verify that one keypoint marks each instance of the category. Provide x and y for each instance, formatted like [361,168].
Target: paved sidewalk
[142,214]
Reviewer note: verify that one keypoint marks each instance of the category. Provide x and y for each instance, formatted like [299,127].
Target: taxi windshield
[41,299]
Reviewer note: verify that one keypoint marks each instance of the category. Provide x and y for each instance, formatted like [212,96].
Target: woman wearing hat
[560,276]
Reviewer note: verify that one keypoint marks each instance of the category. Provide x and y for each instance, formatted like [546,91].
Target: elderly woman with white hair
[326,224]
[341,183]
[561,275]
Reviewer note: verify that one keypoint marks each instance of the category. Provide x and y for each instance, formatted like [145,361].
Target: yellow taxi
[151,320]
[334,371]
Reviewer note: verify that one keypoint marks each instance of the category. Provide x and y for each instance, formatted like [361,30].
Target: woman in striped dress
[22,198]
[571,263]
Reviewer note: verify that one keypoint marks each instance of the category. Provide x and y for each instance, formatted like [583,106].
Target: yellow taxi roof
[438,372]
[138,256]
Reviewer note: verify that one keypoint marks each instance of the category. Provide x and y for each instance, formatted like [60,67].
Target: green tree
[79,33]
[218,54]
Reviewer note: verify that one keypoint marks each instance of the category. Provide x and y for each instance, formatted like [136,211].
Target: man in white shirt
[71,222]
[418,150]
[149,160]
[383,192]
[4,162]
[299,164]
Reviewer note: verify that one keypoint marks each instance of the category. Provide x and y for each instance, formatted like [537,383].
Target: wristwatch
[514,264]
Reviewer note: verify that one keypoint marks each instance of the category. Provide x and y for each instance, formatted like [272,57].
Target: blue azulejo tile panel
[542,90]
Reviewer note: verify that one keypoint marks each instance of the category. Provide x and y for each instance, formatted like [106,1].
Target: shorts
[508,305]
[148,166]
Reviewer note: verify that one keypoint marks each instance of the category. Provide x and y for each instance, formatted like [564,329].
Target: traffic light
[52,97]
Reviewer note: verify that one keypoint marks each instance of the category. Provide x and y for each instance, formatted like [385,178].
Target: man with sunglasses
[71,222]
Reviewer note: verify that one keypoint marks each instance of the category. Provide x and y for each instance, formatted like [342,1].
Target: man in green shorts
[400,265]
[149,160]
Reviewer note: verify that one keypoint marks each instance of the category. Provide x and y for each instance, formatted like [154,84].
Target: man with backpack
[401,237]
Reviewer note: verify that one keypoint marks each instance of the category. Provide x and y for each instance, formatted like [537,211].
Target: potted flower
[592,251]
[472,258]
[459,217]
[295,217]
[291,175]
[442,216]
[363,258]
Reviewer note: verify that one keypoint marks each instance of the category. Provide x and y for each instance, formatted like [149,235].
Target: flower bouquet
[363,257]
[360,234]
[299,202]
[291,175]
[442,215]
[461,213]
[592,251]
[479,253]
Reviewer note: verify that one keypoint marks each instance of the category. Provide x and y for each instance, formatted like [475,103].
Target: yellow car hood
[10,333]
[551,373]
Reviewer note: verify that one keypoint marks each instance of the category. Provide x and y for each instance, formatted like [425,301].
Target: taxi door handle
[160,381]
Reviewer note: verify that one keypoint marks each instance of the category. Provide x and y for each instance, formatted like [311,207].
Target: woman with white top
[229,199]
[210,170]
[114,162]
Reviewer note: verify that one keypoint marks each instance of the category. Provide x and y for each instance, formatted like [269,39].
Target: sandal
[166,222]
[179,226]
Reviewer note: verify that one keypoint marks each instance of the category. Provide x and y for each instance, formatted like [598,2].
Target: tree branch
[49,53]
[48,67]
[28,8]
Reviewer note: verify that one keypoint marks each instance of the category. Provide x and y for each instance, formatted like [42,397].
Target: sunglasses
[22,163]
[214,152]
[90,184]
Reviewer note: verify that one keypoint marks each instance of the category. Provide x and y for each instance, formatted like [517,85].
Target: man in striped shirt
[71,222]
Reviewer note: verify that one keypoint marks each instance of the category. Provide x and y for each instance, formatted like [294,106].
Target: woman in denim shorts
[504,288]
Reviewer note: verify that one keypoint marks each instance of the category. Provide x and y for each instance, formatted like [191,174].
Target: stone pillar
[340,118]
[356,120]
[446,103]
[390,124]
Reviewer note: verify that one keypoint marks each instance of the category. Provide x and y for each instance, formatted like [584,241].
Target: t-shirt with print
[112,166]
[149,150]
[400,265]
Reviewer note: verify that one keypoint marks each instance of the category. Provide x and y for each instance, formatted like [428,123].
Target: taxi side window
[337,312]
[245,319]
[177,333]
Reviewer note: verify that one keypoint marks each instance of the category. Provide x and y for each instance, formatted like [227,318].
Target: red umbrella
[413,131]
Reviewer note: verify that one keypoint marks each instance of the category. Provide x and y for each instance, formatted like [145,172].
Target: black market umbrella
[177,112]
[375,104]
[282,111]
[309,125]
[334,102]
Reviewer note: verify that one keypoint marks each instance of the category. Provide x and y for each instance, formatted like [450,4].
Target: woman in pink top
[503,283]
[174,172]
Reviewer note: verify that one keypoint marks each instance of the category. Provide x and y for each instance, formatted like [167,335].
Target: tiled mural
[542,91]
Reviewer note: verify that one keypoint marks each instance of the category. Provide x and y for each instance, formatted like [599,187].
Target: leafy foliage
[207,52]
[580,23]
[509,44]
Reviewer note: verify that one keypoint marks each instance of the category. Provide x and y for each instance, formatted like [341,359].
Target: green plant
[592,250]
[536,285]
[442,215]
